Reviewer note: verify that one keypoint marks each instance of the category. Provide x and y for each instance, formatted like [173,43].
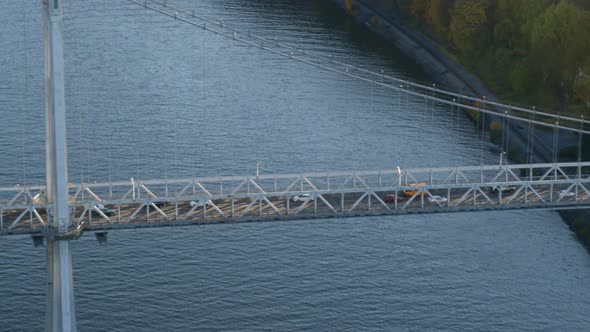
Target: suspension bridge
[59,211]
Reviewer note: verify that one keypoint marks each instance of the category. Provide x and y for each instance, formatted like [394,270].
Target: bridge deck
[272,197]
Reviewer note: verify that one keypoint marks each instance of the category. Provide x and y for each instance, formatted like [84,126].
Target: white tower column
[60,315]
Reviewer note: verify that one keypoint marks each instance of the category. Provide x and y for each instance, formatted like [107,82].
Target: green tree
[559,42]
[519,78]
[582,84]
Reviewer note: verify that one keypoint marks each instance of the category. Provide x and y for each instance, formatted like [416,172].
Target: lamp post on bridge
[60,314]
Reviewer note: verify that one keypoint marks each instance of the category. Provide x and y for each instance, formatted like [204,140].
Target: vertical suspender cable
[580,140]
[532,151]
[109,110]
[25,103]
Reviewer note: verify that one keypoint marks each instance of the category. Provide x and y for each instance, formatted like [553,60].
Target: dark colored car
[391,198]
[103,209]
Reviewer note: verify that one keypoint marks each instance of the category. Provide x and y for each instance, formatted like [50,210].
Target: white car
[565,193]
[504,189]
[199,203]
[437,199]
[303,198]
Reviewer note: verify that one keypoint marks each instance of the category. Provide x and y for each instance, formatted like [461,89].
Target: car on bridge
[437,199]
[199,203]
[504,189]
[159,204]
[566,193]
[392,198]
[103,209]
[303,198]
[412,192]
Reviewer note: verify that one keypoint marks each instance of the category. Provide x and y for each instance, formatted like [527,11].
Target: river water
[151,97]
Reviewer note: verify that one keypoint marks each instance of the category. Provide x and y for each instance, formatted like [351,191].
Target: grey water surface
[151,97]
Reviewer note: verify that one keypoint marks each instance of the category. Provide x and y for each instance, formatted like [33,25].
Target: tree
[468,23]
[519,78]
[437,15]
[582,84]
[559,43]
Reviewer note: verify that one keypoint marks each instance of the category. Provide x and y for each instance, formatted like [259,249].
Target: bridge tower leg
[60,314]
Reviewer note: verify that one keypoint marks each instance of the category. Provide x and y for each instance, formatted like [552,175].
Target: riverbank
[446,72]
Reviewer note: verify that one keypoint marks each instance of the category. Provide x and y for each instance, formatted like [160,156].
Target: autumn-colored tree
[468,23]
[437,15]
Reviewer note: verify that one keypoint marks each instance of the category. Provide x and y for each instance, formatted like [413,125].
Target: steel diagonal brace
[409,175]
[20,216]
[214,207]
[190,184]
[102,214]
[271,205]
[536,193]
[562,172]
[345,182]
[449,177]
[149,192]
[203,189]
[239,186]
[191,211]
[465,195]
[569,189]
[328,204]
[358,201]
[93,195]
[547,173]
[38,216]
[249,207]
[513,196]
[309,182]
[361,181]
[132,216]
[502,172]
[416,194]
[514,175]
[31,197]
[257,186]
[129,192]
[380,201]
[20,192]
[292,185]
[584,188]
[397,180]
[303,205]
[78,191]
[484,195]
[82,214]
[459,172]
[155,207]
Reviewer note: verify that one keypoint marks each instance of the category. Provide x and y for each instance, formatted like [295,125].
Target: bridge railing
[295,182]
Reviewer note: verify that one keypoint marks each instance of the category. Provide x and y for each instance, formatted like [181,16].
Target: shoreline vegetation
[532,52]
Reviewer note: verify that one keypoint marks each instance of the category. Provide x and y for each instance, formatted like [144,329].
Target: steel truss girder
[464,187]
